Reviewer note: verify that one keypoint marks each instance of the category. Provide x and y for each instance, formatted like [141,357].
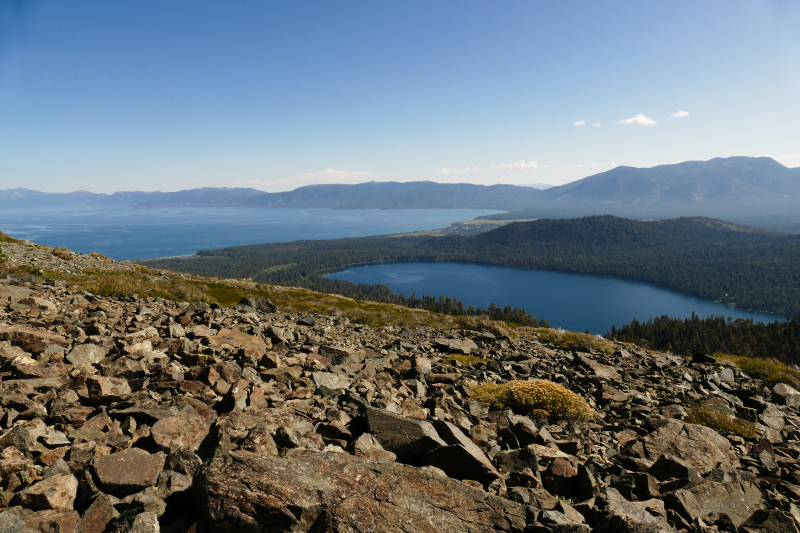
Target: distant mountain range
[733,186]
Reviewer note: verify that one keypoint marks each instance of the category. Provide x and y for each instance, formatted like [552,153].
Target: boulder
[615,514]
[408,438]
[52,520]
[251,304]
[86,354]
[239,340]
[560,478]
[368,447]
[462,346]
[108,390]
[769,521]
[26,337]
[55,492]
[698,446]
[339,355]
[330,380]
[98,515]
[339,492]
[786,395]
[738,499]
[599,370]
[458,462]
[184,431]
[128,471]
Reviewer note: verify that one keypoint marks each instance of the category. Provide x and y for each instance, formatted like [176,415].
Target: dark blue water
[128,233]
[571,301]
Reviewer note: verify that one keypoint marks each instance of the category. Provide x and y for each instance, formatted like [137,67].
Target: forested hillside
[698,256]
[780,340]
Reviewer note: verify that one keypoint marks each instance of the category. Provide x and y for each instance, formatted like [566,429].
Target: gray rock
[255,305]
[184,431]
[738,499]
[86,354]
[331,380]
[615,514]
[99,514]
[339,355]
[128,471]
[339,492]
[787,395]
[408,438]
[700,447]
[368,447]
[462,346]
[55,492]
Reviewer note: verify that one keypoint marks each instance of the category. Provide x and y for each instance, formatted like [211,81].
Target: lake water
[571,301]
[129,233]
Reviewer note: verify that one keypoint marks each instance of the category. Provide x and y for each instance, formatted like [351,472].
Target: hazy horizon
[107,96]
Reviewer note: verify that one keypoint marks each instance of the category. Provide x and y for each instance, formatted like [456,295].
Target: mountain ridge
[718,187]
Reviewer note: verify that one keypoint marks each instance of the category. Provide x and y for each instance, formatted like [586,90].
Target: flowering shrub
[538,396]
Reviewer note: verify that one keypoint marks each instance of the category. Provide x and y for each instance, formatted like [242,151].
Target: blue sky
[149,95]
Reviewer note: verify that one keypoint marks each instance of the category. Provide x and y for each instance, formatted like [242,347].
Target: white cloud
[519,165]
[788,160]
[679,114]
[638,120]
[772,114]
[596,165]
[579,122]
[309,178]
[596,124]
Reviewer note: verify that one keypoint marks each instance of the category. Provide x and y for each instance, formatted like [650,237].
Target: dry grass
[721,422]
[464,359]
[539,397]
[6,238]
[770,371]
[100,256]
[63,253]
[482,323]
[570,340]
[144,282]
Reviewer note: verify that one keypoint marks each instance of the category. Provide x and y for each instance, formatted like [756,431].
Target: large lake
[129,233]
[571,301]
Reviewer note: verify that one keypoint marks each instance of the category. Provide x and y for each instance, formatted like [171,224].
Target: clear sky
[152,95]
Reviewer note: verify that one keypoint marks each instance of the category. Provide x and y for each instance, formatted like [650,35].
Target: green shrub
[539,397]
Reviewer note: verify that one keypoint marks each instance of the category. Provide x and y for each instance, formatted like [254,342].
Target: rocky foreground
[149,415]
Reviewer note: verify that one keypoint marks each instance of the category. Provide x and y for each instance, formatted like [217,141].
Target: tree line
[744,337]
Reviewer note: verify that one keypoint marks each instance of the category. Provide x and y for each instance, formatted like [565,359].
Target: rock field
[147,416]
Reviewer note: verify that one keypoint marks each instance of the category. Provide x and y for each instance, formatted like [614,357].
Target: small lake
[130,233]
[574,302]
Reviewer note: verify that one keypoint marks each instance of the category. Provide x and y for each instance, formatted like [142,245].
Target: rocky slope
[148,415]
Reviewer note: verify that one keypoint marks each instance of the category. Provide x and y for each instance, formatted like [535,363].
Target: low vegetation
[144,282]
[571,340]
[464,359]
[63,253]
[483,324]
[538,397]
[6,238]
[719,421]
[770,371]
